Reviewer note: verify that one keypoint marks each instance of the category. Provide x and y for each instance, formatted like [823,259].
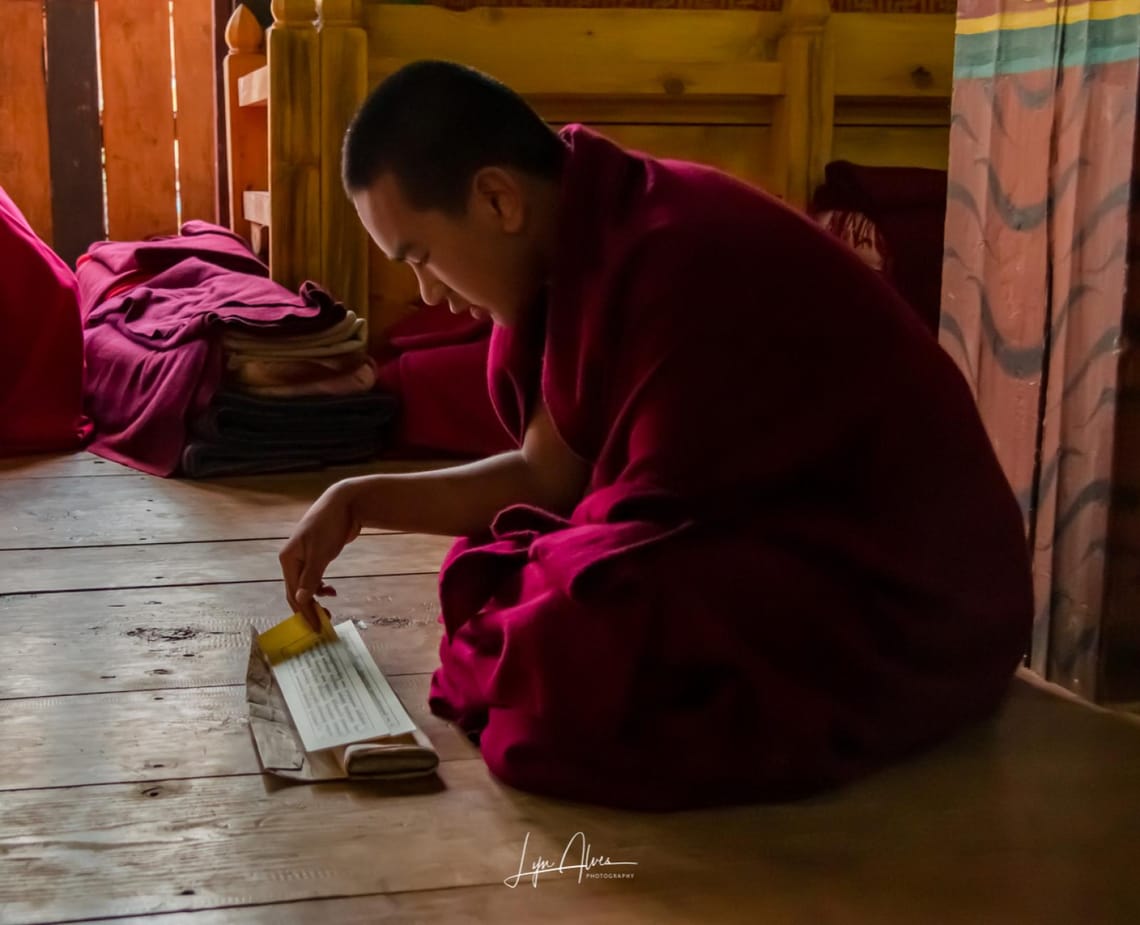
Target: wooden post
[294,143]
[806,111]
[195,71]
[344,83]
[247,145]
[1119,657]
[138,118]
[222,189]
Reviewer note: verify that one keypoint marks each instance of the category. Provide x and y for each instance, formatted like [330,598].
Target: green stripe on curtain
[1018,51]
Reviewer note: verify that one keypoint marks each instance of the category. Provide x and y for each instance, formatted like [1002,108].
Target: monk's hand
[327,527]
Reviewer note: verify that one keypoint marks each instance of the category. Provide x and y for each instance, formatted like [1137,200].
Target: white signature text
[586,862]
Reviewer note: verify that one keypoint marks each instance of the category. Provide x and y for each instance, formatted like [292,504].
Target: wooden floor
[129,786]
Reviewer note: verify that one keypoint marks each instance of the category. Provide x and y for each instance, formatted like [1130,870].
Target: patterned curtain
[1036,311]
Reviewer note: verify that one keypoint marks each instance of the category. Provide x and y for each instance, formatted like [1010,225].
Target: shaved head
[434,124]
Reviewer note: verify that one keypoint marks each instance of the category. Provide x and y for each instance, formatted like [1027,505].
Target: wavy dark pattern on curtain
[1042,180]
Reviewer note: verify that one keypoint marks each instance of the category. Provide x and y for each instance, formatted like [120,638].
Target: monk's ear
[497,198]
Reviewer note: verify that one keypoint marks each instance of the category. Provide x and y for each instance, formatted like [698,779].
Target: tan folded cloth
[358,343]
[244,370]
[354,382]
[329,342]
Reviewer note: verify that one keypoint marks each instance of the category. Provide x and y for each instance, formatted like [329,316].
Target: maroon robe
[797,558]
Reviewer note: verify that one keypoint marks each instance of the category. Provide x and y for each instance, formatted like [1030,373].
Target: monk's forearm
[456,501]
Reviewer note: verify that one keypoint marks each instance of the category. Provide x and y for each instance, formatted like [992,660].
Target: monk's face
[478,262]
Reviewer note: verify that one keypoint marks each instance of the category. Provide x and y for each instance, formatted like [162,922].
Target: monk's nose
[432,291]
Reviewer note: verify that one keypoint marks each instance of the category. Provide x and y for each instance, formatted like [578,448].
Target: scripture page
[337,695]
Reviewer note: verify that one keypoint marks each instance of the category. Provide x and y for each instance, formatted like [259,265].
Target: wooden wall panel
[247,131]
[73,122]
[138,118]
[893,145]
[742,150]
[343,87]
[195,72]
[295,144]
[24,158]
[659,54]
[881,55]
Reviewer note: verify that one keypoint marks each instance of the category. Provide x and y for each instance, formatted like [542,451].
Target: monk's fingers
[309,585]
[291,568]
[307,607]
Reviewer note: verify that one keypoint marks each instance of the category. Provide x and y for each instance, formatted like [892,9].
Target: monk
[754,541]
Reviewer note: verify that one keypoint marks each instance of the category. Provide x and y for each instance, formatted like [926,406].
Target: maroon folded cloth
[908,206]
[436,364]
[41,343]
[153,312]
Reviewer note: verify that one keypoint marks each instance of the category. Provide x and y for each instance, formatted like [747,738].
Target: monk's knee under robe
[797,558]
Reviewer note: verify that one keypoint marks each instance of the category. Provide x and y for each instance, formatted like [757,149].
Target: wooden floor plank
[121,700]
[88,465]
[562,902]
[41,512]
[1030,818]
[156,735]
[66,465]
[131,849]
[104,641]
[153,566]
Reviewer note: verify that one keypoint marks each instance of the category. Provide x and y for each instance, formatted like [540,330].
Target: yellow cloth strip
[293,636]
[1097,9]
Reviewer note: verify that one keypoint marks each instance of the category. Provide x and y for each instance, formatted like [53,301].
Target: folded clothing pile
[330,362]
[240,433]
[201,365]
[291,402]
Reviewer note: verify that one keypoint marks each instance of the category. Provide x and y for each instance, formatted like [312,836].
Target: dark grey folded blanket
[245,434]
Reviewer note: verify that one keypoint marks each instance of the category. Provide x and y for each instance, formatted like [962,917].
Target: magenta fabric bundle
[153,315]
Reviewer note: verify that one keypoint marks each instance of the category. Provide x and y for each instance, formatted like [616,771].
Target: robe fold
[797,558]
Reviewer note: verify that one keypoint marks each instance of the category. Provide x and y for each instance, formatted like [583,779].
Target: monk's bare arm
[461,500]
[457,501]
